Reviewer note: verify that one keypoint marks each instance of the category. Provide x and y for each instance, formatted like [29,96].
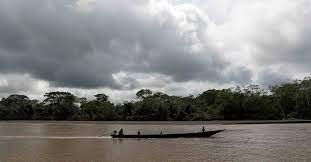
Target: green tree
[142,94]
[59,105]
[101,97]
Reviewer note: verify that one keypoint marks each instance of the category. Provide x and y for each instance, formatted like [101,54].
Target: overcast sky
[178,47]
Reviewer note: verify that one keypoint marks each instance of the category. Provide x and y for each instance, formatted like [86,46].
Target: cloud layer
[84,45]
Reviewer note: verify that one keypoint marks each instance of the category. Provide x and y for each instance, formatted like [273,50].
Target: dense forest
[286,101]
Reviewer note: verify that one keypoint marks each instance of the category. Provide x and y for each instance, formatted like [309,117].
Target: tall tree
[142,94]
[101,97]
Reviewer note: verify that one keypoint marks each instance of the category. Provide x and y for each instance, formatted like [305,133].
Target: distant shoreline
[215,122]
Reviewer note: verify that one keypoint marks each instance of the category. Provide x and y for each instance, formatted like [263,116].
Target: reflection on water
[85,142]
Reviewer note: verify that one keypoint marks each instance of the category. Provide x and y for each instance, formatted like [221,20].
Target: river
[78,141]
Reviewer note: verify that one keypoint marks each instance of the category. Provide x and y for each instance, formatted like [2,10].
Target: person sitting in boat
[138,132]
[161,133]
[121,132]
[203,129]
[115,132]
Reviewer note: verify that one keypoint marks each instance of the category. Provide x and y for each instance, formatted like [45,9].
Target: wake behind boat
[181,135]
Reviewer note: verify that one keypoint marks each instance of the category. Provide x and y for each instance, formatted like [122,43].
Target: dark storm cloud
[57,42]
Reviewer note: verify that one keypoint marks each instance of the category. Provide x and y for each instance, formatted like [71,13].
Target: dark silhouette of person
[121,132]
[138,132]
[115,132]
[161,133]
[203,129]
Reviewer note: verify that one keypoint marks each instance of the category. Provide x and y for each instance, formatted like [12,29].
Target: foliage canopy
[288,100]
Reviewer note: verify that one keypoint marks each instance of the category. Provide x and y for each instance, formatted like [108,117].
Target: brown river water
[70,141]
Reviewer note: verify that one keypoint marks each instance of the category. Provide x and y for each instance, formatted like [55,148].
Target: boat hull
[185,135]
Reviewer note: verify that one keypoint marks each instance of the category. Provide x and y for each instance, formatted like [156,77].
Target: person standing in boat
[138,132]
[121,132]
[203,129]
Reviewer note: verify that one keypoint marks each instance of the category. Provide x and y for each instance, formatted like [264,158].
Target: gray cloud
[20,84]
[265,36]
[178,47]
[290,43]
[278,36]
[59,42]
[269,77]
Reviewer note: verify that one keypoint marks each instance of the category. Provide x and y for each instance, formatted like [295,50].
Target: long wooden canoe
[183,135]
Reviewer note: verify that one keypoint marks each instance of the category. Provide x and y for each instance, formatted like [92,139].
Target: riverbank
[219,122]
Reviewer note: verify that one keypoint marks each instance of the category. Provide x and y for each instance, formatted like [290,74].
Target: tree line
[285,101]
